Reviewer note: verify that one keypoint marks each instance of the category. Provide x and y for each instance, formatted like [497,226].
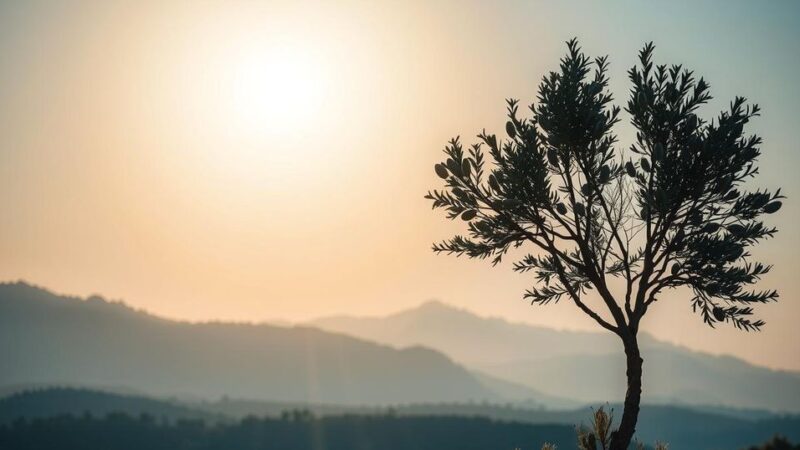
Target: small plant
[600,435]
[600,432]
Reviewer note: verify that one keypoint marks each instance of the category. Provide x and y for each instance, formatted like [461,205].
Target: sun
[264,108]
[277,91]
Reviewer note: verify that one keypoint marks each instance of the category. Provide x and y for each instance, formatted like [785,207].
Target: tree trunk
[621,439]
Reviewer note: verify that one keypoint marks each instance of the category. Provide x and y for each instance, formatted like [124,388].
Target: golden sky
[267,160]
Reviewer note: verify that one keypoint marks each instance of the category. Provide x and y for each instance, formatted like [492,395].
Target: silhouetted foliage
[300,430]
[670,211]
[297,430]
[776,443]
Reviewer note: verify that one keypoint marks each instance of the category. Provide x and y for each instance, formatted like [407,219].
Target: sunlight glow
[275,91]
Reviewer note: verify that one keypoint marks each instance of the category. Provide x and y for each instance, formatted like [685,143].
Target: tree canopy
[670,210]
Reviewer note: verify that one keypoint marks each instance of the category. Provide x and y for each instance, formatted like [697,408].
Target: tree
[671,211]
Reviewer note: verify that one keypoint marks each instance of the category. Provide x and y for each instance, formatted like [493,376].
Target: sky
[255,161]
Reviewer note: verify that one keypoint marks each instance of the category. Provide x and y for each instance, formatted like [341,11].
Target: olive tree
[610,229]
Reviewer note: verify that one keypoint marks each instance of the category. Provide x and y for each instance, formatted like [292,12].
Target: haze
[234,161]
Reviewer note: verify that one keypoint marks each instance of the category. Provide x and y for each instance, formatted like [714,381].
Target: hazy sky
[254,161]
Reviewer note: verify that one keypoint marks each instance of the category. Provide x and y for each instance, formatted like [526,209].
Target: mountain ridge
[396,350]
[51,339]
[585,366]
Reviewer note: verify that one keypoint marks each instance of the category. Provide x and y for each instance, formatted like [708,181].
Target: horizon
[261,161]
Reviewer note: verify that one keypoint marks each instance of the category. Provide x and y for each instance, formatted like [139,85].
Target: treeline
[776,443]
[296,430]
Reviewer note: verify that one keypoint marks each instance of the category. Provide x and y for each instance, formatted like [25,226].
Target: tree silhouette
[669,212]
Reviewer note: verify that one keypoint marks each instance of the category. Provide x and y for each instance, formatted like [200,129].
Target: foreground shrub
[598,436]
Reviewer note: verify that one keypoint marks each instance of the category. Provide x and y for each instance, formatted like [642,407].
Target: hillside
[467,337]
[53,402]
[580,365]
[49,339]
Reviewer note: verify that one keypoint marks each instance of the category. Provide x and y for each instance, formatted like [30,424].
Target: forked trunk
[621,439]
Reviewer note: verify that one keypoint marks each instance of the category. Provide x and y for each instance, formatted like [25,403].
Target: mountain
[674,376]
[50,339]
[469,338]
[584,366]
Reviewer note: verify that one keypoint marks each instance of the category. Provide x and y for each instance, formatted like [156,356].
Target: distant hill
[683,428]
[672,375]
[584,366]
[52,402]
[468,338]
[51,339]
